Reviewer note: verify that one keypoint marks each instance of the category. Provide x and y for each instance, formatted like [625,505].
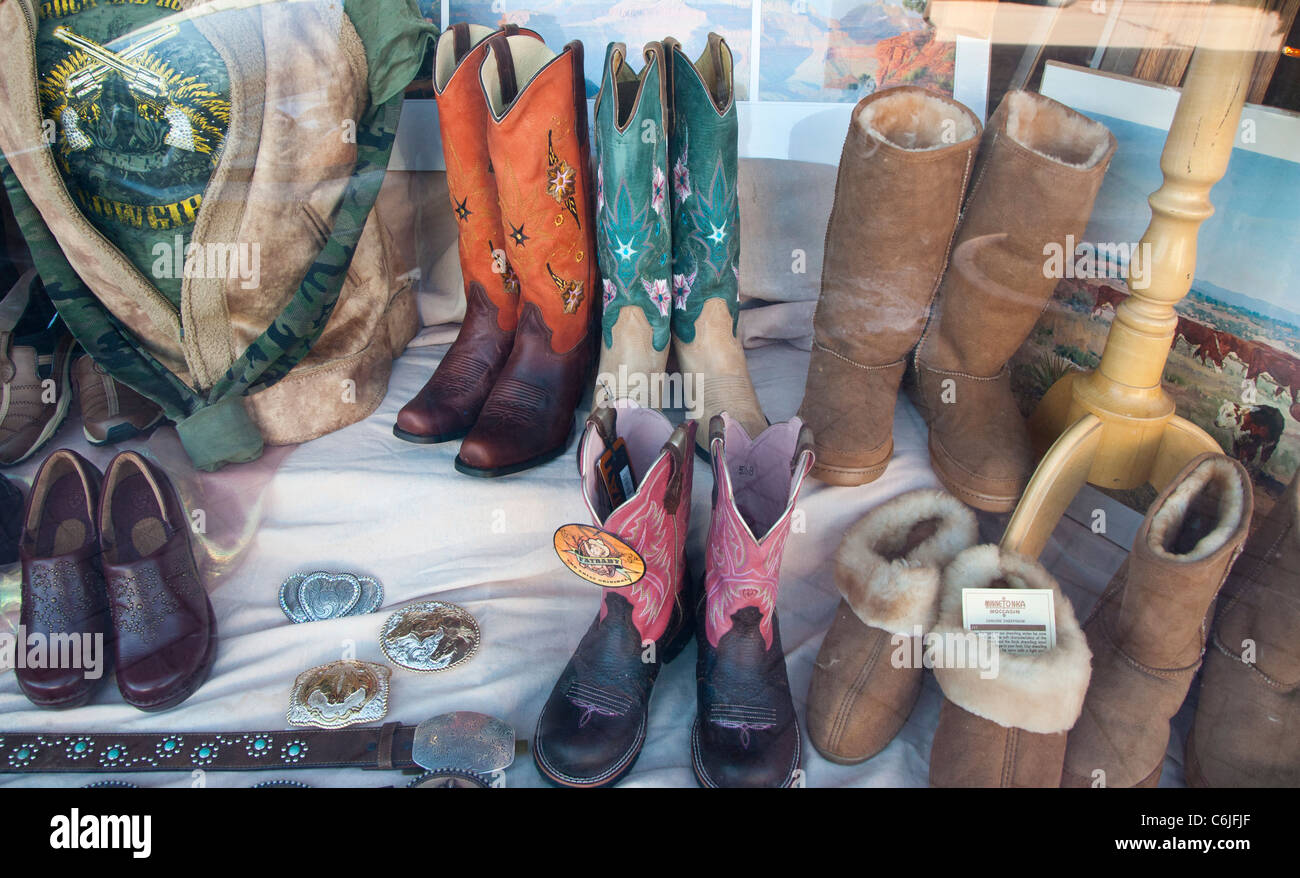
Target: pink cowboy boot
[746,733]
[593,725]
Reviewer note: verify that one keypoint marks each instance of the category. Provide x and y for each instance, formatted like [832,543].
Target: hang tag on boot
[1022,619]
[616,476]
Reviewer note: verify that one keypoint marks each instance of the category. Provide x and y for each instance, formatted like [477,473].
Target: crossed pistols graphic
[145,84]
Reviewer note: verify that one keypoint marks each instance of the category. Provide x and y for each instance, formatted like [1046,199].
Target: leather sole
[625,765]
[195,680]
[701,776]
[981,500]
[418,439]
[65,703]
[122,432]
[510,469]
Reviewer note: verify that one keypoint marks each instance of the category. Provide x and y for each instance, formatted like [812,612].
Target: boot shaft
[634,225]
[1187,544]
[1262,604]
[471,184]
[655,518]
[756,487]
[703,149]
[904,170]
[538,144]
[1039,168]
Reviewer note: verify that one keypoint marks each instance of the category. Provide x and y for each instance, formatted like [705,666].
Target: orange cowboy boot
[447,406]
[537,138]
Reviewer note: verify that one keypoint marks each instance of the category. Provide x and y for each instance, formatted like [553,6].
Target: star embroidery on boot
[463,212]
[624,250]
[517,234]
[718,233]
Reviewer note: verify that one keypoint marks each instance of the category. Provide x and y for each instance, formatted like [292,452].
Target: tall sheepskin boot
[746,733]
[1247,729]
[888,568]
[704,148]
[1008,729]
[904,170]
[1038,173]
[1148,630]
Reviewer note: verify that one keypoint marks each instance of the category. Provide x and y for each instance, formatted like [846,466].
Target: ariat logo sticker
[598,556]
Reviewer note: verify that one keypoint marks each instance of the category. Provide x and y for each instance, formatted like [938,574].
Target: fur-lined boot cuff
[1040,693]
[890,564]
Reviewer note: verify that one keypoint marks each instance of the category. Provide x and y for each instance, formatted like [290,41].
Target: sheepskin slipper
[1005,724]
[888,568]
[1149,629]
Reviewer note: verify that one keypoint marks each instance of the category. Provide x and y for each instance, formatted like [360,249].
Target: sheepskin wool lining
[1213,493]
[889,563]
[916,121]
[1054,131]
[1040,693]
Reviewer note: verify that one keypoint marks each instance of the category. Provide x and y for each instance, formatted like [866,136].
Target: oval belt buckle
[339,694]
[462,750]
[430,636]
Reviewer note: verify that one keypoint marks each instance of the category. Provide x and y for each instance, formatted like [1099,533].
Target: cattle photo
[1232,370]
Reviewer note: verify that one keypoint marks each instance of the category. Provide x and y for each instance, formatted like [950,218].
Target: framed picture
[1235,365]
[800,65]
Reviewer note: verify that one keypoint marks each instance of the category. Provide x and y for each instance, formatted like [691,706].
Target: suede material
[706,233]
[858,701]
[26,421]
[279,185]
[887,242]
[970,751]
[109,408]
[1247,728]
[1023,198]
[1147,635]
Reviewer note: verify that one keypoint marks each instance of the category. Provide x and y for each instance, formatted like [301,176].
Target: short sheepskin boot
[1038,173]
[1247,729]
[1008,729]
[1148,631]
[888,568]
[905,167]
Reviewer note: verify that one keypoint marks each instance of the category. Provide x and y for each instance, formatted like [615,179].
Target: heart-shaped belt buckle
[314,597]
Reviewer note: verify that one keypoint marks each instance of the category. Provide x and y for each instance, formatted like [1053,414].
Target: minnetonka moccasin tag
[314,597]
[598,556]
[430,636]
[339,694]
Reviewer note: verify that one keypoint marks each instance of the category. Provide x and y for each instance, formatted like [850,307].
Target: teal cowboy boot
[706,237]
[633,228]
